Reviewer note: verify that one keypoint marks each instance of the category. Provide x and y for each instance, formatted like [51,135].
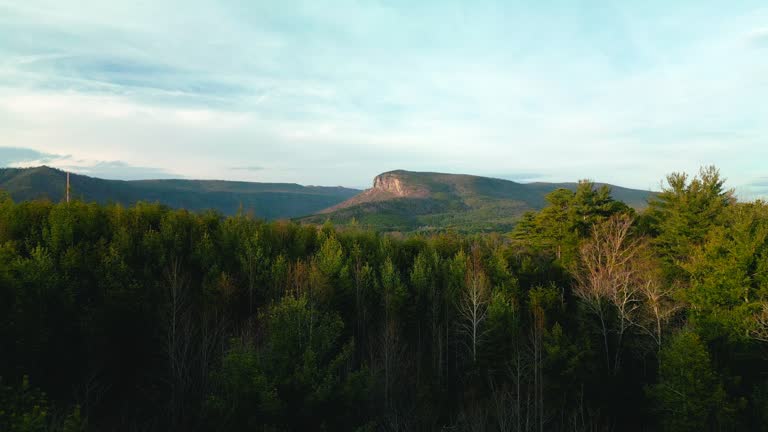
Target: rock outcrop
[386,186]
[394,184]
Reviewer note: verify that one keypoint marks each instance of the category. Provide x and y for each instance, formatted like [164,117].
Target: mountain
[423,201]
[267,200]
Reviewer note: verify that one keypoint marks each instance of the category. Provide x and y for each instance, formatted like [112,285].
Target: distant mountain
[267,200]
[412,201]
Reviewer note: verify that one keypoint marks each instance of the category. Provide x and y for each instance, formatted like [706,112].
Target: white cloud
[758,36]
[320,94]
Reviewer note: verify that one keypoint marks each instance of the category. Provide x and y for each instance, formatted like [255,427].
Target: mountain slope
[268,200]
[408,201]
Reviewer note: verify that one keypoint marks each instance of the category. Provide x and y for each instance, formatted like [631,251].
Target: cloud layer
[334,93]
[24,157]
[15,156]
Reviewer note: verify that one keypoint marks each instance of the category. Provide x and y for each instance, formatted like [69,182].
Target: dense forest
[588,316]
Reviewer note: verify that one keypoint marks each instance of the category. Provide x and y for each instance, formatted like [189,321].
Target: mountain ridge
[404,200]
[398,200]
[268,200]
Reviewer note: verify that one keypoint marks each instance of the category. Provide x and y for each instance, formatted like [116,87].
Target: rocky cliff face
[393,184]
[386,186]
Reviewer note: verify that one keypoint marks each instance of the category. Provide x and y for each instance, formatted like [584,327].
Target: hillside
[267,200]
[411,201]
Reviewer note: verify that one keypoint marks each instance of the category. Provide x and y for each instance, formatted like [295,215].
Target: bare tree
[659,306]
[473,304]
[585,419]
[91,391]
[178,343]
[609,280]
[512,403]
[192,341]
[760,321]
[473,418]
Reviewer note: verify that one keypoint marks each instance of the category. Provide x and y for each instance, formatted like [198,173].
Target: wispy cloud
[754,189]
[521,176]
[252,168]
[17,156]
[117,170]
[758,36]
[761,183]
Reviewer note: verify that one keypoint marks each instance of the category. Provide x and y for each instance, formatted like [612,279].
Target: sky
[336,92]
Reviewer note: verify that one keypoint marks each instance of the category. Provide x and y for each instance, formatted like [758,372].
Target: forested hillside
[589,316]
[265,200]
[408,201]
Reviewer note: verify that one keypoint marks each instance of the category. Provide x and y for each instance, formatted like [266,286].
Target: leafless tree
[659,305]
[178,342]
[396,365]
[609,280]
[91,391]
[585,419]
[760,330]
[473,304]
[191,345]
[473,418]
[512,404]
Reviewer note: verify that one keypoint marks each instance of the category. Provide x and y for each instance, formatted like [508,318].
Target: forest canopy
[588,316]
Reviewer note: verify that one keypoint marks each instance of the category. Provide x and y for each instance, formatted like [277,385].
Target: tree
[427,302]
[253,262]
[683,213]
[688,395]
[24,409]
[178,340]
[364,280]
[609,280]
[726,277]
[658,302]
[290,381]
[541,300]
[330,266]
[567,218]
[393,295]
[473,304]
[27,409]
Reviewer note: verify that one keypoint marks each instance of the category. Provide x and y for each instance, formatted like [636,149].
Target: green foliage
[24,409]
[760,405]
[296,378]
[27,409]
[684,212]
[268,200]
[727,273]
[393,291]
[468,204]
[157,319]
[567,219]
[689,395]
[74,421]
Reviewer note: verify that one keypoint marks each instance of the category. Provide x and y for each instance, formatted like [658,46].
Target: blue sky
[335,92]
